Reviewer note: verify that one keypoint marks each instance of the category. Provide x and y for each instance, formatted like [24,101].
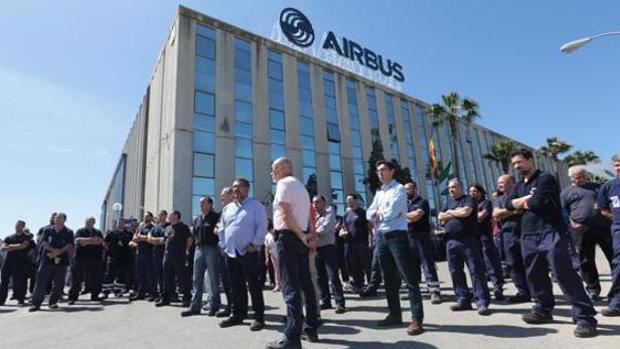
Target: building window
[277,124]
[306,117]
[356,143]
[389,113]
[333,140]
[203,183]
[243,121]
[428,178]
[409,145]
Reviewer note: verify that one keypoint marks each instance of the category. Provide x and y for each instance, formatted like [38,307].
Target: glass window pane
[334,162]
[205,31]
[357,153]
[205,82]
[203,165]
[333,148]
[329,88]
[276,119]
[242,59]
[243,92]
[307,142]
[275,70]
[336,180]
[274,56]
[203,186]
[305,108]
[204,122]
[331,115]
[307,126]
[307,173]
[358,167]
[243,111]
[243,77]
[205,65]
[204,103]
[278,137]
[276,101]
[204,142]
[333,133]
[243,168]
[244,130]
[243,148]
[308,158]
[337,196]
[277,150]
[205,47]
[356,139]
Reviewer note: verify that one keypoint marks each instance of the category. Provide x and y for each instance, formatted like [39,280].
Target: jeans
[206,258]
[396,264]
[296,281]
[244,275]
[327,266]
[549,248]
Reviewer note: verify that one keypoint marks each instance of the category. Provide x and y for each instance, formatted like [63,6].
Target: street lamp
[572,46]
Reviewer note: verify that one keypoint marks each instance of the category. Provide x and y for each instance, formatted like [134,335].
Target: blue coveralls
[609,198]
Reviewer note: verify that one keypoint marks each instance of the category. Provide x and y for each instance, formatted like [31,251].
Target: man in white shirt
[291,209]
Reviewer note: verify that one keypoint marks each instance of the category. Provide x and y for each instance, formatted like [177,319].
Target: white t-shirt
[292,191]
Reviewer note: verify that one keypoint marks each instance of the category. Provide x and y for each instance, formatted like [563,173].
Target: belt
[388,235]
[277,233]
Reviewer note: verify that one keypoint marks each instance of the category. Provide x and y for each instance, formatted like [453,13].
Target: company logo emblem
[296,27]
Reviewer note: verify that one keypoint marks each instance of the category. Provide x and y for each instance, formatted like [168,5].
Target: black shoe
[519,298]
[610,312]
[537,319]
[231,321]
[257,325]
[71,302]
[151,299]
[136,298]
[20,303]
[368,293]
[390,320]
[340,309]
[161,304]
[326,305]
[484,310]
[461,307]
[53,306]
[499,295]
[187,313]
[283,344]
[212,312]
[310,336]
[96,299]
[223,313]
[585,331]
[186,304]
[594,297]
[34,308]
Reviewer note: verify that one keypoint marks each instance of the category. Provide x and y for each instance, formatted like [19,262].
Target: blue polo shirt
[90,252]
[609,199]
[357,226]
[144,248]
[461,227]
[511,224]
[424,224]
[58,240]
[485,227]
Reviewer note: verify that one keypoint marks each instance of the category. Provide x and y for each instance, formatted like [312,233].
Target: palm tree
[552,149]
[454,110]
[500,153]
[581,158]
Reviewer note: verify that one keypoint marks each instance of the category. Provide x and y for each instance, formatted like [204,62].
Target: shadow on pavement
[75,309]
[499,331]
[375,344]
[4,311]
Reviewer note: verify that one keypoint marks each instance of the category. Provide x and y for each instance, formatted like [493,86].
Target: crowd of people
[527,226]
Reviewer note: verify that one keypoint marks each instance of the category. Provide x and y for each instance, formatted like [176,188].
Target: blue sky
[72,74]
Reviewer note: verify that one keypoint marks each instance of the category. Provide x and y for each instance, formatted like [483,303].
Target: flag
[432,155]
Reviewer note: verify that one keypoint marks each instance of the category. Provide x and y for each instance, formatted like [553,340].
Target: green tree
[500,153]
[453,110]
[312,186]
[581,158]
[553,149]
[402,175]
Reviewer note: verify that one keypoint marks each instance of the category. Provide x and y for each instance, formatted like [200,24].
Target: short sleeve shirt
[18,256]
[423,225]
[176,239]
[57,239]
[89,252]
[292,191]
[461,227]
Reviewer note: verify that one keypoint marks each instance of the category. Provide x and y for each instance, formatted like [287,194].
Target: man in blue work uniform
[242,232]
[545,242]
[16,263]
[588,227]
[206,259]
[144,260]
[459,218]
[88,262]
[388,212]
[609,203]
[156,238]
[56,242]
[510,225]
[327,264]
[355,235]
[489,250]
[119,264]
[420,243]
[178,242]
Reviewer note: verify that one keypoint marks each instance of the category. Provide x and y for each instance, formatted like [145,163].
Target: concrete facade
[158,159]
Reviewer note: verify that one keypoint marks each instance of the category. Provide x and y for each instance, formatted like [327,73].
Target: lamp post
[574,45]
[117,207]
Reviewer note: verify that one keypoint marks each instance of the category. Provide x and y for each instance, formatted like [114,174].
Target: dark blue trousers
[17,273]
[244,276]
[550,248]
[358,260]
[492,262]
[54,273]
[146,277]
[467,250]
[585,240]
[158,271]
[375,268]
[614,293]
[423,251]
[294,260]
[327,266]
[514,259]
[175,271]
[89,271]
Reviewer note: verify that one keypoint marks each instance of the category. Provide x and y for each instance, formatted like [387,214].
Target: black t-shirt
[89,252]
[204,229]
[485,227]
[424,224]
[357,226]
[19,257]
[159,231]
[144,248]
[57,239]
[461,227]
[176,240]
[118,244]
[511,224]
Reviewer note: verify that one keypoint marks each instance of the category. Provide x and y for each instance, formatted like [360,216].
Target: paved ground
[141,325]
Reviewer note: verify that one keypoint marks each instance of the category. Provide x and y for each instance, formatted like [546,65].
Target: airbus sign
[295,30]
